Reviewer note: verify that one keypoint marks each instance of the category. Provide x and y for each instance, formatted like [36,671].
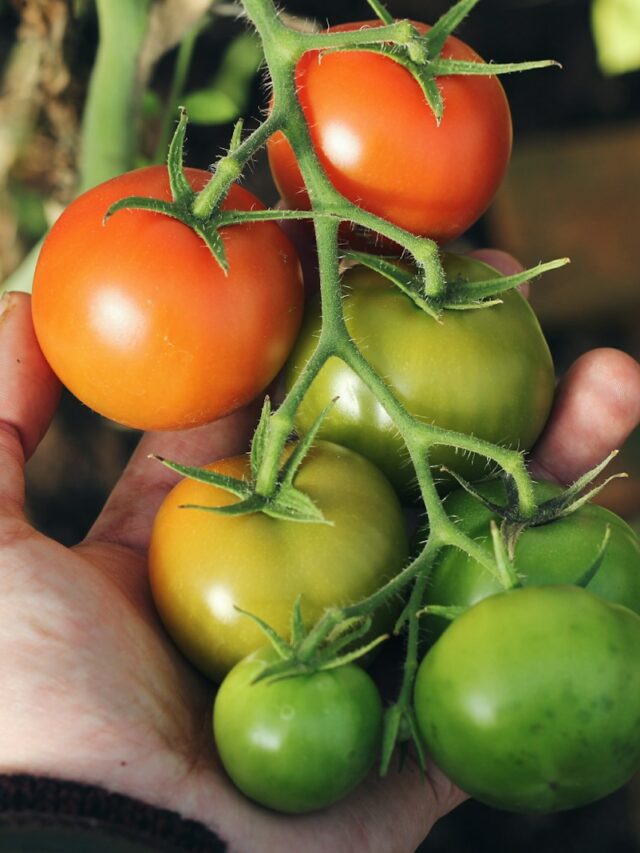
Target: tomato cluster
[531,698]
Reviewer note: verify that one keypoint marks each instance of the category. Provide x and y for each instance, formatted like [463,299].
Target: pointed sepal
[291,504]
[258,444]
[302,448]
[239,488]
[140,202]
[211,236]
[446,67]
[181,191]
[459,292]
[280,645]
[404,279]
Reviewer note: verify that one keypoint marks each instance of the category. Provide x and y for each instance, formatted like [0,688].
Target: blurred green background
[573,189]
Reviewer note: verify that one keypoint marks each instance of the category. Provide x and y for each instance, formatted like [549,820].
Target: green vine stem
[283,47]
[109,127]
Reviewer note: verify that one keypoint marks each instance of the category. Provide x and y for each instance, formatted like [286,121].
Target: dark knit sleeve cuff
[42,815]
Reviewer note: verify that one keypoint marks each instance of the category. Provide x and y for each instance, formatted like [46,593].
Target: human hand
[94,690]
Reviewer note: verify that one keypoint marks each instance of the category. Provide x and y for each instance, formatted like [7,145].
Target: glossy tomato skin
[298,744]
[139,321]
[203,564]
[559,552]
[429,179]
[530,701]
[487,372]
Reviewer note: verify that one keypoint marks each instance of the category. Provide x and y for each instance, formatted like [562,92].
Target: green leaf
[227,95]
[151,106]
[616,32]
[211,106]
[259,438]
[291,504]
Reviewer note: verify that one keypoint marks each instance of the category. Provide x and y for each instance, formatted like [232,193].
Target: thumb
[29,394]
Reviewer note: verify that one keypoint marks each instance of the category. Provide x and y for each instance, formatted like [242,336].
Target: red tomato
[429,179]
[140,322]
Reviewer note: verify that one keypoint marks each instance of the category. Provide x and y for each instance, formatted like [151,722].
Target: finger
[503,262]
[597,405]
[29,394]
[128,515]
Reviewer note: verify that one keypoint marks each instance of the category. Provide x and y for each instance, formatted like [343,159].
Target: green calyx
[421,54]
[312,651]
[280,499]
[184,199]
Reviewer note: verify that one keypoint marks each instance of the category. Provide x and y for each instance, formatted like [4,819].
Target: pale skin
[93,690]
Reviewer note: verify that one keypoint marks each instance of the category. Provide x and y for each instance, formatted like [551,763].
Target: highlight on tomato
[433,180]
[486,372]
[204,565]
[140,322]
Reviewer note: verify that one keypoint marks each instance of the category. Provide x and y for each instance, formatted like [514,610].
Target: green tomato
[204,565]
[530,701]
[483,372]
[560,551]
[300,743]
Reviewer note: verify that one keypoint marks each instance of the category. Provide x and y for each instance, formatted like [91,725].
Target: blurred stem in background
[133,36]
[616,32]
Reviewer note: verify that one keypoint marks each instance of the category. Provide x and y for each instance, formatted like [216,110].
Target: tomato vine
[283,48]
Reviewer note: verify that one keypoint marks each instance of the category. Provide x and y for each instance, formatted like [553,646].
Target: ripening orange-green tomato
[139,321]
[486,373]
[203,565]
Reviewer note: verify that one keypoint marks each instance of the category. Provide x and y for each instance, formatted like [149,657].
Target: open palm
[93,689]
